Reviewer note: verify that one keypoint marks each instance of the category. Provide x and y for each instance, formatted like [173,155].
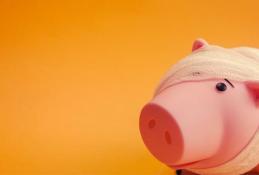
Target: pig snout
[177,130]
[161,133]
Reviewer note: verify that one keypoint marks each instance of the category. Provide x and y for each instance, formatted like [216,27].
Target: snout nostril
[151,124]
[168,137]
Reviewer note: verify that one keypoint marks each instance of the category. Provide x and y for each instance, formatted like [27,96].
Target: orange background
[75,74]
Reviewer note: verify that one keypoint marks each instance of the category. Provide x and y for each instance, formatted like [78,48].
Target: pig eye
[221,86]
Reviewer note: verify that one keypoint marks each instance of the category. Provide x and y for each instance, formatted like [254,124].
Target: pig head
[201,123]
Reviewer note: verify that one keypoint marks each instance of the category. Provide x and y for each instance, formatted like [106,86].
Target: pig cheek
[238,103]
[239,115]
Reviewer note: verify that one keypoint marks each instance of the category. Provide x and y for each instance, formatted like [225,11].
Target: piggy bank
[204,114]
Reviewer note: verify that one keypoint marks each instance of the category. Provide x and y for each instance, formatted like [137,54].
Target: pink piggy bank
[204,115]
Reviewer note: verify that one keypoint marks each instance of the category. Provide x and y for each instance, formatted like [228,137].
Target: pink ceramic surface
[193,124]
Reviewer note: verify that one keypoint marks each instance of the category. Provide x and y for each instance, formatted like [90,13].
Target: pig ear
[199,43]
[253,87]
